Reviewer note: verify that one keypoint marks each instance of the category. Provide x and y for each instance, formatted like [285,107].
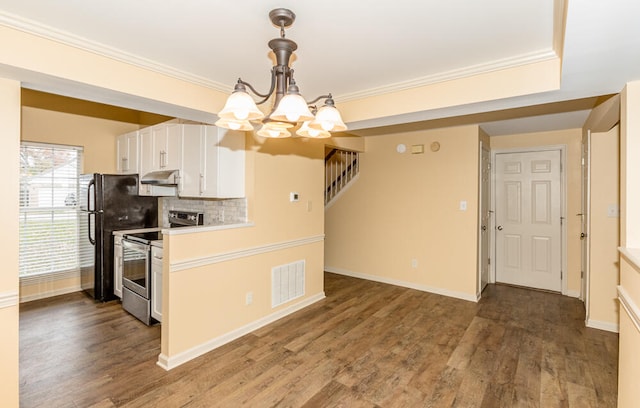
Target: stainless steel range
[136,269]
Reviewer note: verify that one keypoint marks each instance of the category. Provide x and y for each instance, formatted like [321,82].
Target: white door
[485,177]
[528,223]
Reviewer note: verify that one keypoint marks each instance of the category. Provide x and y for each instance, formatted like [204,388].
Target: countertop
[157,243]
[203,228]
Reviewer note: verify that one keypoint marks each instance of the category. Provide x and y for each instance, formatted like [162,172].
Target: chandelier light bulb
[241,114]
[328,119]
[292,108]
[240,106]
[306,131]
[273,132]
[242,125]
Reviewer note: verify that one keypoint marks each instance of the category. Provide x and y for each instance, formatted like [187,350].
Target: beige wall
[629,346]
[9,166]
[405,207]
[203,303]
[604,231]
[97,136]
[572,139]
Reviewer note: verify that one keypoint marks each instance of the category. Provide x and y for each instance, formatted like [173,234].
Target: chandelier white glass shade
[290,108]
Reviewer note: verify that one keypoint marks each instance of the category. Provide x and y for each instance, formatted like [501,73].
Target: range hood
[161,178]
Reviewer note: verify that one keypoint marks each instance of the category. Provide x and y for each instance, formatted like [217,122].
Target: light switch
[293,197]
[463,205]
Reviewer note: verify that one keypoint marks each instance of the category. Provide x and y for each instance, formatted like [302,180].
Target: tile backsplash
[216,211]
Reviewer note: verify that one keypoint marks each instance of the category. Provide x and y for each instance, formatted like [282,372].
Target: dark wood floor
[366,345]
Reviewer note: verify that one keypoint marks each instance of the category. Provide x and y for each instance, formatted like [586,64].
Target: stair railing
[341,166]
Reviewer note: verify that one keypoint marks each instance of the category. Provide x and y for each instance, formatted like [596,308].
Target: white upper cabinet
[210,161]
[127,153]
[213,164]
[160,148]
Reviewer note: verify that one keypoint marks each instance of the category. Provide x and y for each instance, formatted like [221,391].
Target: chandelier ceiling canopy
[289,107]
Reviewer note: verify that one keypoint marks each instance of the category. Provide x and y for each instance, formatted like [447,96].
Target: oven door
[136,267]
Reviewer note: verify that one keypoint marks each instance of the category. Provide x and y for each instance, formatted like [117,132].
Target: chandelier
[289,107]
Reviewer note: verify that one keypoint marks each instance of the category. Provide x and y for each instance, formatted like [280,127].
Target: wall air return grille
[287,282]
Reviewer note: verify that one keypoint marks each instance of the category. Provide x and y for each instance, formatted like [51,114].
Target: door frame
[585,222]
[484,147]
[562,148]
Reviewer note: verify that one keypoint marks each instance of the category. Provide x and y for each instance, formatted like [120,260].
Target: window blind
[49,208]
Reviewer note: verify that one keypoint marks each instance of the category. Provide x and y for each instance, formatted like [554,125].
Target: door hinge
[488,261]
[582,274]
[560,275]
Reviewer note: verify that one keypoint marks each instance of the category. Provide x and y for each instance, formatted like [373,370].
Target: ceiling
[356,47]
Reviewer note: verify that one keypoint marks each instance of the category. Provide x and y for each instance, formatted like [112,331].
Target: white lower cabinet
[156,283]
[117,266]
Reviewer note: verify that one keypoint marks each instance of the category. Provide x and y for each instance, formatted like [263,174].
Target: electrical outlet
[249,298]
[414,263]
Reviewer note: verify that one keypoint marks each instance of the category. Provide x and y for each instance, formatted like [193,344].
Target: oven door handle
[136,246]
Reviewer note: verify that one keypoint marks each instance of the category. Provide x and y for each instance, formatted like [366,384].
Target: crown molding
[72,40]
[525,59]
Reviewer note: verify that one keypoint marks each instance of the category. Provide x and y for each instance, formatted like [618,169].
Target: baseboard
[610,327]
[8,299]
[573,293]
[405,284]
[50,293]
[170,362]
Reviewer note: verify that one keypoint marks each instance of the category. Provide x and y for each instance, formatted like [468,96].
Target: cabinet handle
[162,159]
[201,183]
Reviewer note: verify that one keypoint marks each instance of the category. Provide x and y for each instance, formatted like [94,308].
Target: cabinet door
[172,147]
[127,153]
[117,267]
[146,151]
[190,172]
[121,154]
[156,283]
[132,159]
[227,163]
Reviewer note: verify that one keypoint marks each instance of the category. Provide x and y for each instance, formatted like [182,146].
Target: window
[48,208]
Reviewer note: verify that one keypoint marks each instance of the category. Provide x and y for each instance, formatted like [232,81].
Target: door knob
[499,227]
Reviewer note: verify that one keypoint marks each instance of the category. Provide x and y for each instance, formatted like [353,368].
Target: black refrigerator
[108,202]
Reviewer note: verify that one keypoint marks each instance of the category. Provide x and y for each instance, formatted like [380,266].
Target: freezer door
[122,207]
[86,200]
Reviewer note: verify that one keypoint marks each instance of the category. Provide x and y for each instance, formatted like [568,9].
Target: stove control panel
[185,218]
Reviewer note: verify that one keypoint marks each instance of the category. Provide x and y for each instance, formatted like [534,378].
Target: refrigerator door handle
[92,183]
[89,229]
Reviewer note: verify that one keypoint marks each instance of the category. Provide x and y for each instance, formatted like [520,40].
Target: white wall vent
[287,282]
